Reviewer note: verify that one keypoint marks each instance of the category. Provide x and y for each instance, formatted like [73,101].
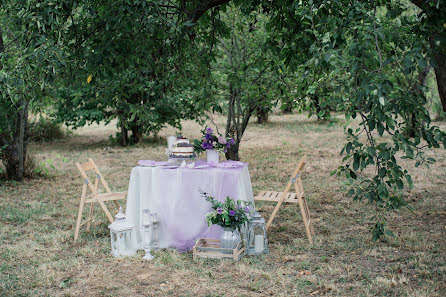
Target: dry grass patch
[38,258]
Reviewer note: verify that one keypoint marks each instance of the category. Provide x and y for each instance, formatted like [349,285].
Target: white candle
[120,243]
[258,243]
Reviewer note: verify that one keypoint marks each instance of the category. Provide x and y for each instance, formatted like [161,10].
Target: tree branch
[2,46]
[376,41]
[202,7]
[420,4]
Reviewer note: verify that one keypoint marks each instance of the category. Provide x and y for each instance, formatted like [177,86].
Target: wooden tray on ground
[210,248]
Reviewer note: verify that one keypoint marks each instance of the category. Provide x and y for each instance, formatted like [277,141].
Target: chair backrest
[300,166]
[90,165]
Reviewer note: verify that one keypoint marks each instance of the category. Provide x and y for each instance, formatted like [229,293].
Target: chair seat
[106,197]
[275,196]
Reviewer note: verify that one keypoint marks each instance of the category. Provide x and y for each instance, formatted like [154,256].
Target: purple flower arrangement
[212,141]
[231,213]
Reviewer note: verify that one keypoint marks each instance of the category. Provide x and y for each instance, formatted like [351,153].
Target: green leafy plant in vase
[231,215]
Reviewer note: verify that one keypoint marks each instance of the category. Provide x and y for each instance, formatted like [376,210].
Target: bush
[45,129]
[30,166]
[44,168]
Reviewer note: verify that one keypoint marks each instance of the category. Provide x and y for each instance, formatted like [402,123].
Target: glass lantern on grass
[257,242]
[121,234]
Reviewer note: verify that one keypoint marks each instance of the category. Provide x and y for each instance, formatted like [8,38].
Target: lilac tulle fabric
[151,163]
[230,164]
[174,193]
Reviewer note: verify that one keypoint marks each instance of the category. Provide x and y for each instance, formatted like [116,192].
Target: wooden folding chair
[94,197]
[290,197]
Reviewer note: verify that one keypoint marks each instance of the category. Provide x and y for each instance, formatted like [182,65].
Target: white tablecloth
[175,195]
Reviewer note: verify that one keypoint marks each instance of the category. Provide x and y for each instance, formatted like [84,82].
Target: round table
[174,194]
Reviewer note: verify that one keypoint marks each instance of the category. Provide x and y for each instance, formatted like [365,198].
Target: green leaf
[372,124]
[382,172]
[356,162]
[189,23]
[409,180]
[400,184]
[380,129]
[348,147]
[381,100]
[353,174]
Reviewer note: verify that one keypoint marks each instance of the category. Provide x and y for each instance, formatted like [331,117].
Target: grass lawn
[37,217]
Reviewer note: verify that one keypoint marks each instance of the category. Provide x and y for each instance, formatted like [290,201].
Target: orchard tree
[139,62]
[370,52]
[432,28]
[249,77]
[48,45]
[29,57]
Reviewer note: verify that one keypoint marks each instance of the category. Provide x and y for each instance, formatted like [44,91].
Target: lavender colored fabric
[174,194]
[230,164]
[152,163]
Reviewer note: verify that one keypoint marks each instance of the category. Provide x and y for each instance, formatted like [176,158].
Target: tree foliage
[145,63]
[372,60]
[29,57]
[153,63]
[247,76]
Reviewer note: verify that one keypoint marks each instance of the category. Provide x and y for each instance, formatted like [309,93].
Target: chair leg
[79,215]
[90,217]
[279,203]
[117,204]
[309,217]
[305,215]
[104,208]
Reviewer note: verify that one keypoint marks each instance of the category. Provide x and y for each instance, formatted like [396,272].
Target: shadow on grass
[308,124]
[82,143]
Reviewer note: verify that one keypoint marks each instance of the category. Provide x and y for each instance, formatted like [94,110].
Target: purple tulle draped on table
[176,216]
[174,193]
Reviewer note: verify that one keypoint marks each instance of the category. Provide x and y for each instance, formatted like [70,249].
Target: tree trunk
[288,108]
[434,14]
[22,137]
[11,160]
[440,73]
[14,154]
[232,153]
[236,123]
[262,115]
[317,105]
[136,134]
[124,140]
[412,128]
